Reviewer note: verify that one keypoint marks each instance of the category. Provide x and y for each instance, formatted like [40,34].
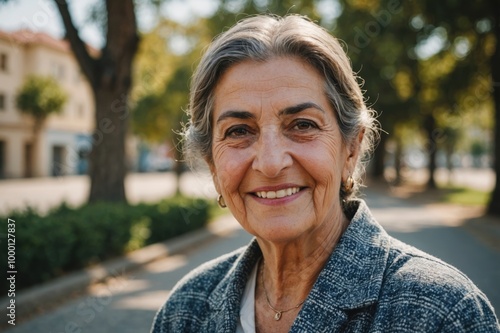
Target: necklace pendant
[277,316]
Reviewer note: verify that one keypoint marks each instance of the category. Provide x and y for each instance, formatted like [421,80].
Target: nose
[272,153]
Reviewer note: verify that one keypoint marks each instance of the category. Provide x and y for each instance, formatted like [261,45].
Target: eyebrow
[299,108]
[235,114]
[286,111]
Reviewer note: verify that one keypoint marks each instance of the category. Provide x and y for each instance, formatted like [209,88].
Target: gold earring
[349,184]
[221,202]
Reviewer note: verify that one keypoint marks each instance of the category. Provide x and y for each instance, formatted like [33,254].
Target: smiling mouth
[277,194]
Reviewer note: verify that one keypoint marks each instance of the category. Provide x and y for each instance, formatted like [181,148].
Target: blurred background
[93,94]
[429,69]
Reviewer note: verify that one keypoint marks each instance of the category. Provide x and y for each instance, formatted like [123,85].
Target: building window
[81,111]
[58,161]
[3,62]
[58,71]
[2,102]
[78,76]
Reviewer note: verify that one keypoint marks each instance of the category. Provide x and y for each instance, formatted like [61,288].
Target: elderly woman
[279,118]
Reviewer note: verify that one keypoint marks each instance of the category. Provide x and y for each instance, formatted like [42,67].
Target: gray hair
[260,38]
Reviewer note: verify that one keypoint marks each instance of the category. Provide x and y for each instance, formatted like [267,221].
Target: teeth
[278,194]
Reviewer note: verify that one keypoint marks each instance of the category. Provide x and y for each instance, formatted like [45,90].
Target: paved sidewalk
[128,301]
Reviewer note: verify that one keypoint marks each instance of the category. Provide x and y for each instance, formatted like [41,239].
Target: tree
[378,39]
[230,11]
[110,77]
[161,93]
[424,59]
[493,206]
[159,117]
[40,97]
[470,31]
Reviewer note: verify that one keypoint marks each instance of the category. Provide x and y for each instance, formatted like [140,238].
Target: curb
[34,299]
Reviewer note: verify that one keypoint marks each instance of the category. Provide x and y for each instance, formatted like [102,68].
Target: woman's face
[278,154]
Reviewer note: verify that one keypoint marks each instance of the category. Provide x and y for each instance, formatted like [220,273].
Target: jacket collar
[225,300]
[352,278]
[353,275]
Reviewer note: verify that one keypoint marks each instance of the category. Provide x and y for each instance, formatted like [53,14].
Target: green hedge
[73,238]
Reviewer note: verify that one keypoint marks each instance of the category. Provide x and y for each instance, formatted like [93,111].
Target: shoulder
[409,274]
[415,291]
[188,300]
[431,294]
[408,266]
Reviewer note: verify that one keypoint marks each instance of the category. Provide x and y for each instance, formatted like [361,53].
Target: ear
[353,150]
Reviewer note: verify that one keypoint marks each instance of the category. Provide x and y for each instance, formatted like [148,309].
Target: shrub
[73,238]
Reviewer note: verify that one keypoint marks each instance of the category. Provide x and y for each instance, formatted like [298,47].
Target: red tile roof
[28,37]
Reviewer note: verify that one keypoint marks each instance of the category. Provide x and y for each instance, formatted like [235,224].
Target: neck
[291,269]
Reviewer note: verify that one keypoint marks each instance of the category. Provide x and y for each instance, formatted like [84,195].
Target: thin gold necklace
[278,313]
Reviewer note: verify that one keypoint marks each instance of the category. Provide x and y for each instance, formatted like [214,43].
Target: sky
[43,16]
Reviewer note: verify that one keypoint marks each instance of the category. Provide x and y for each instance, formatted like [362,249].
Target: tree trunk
[108,165]
[110,77]
[494,204]
[178,170]
[398,159]
[430,127]
[449,163]
[378,160]
[107,159]
[36,169]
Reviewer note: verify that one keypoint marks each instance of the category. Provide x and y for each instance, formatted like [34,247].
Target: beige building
[66,137]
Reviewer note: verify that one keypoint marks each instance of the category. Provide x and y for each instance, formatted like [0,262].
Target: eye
[237,131]
[304,125]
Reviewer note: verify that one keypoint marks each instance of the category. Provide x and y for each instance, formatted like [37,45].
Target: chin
[279,230]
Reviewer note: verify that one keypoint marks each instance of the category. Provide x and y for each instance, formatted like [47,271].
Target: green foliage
[465,196]
[230,11]
[162,75]
[40,96]
[478,148]
[73,238]
[425,64]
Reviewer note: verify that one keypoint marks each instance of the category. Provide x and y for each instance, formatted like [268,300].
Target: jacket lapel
[346,291]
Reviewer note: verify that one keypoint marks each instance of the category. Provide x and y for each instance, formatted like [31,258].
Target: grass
[465,196]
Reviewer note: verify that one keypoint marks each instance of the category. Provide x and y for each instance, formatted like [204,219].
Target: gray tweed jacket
[371,283]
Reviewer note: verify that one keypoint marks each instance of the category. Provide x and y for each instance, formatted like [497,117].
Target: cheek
[324,157]
[230,166]
[324,161]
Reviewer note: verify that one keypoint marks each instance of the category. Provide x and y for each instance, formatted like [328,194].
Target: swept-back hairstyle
[263,37]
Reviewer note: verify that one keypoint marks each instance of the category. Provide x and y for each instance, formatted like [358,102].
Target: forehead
[271,79]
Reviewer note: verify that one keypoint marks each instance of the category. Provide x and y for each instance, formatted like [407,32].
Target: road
[128,303]
[45,193]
